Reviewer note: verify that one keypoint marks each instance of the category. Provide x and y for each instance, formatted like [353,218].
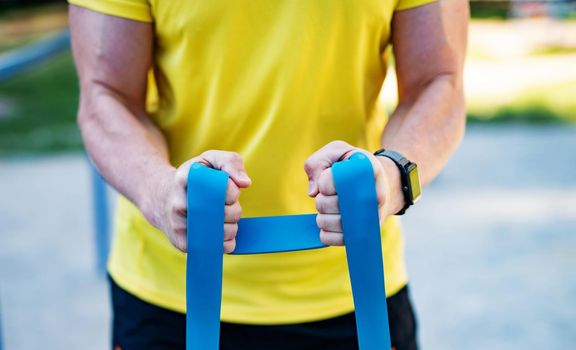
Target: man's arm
[113,57]
[428,124]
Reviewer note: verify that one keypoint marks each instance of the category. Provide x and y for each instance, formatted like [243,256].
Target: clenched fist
[321,187]
[167,210]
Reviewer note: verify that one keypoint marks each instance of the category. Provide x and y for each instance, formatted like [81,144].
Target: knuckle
[180,230]
[208,153]
[179,210]
[308,165]
[236,157]
[338,143]
[312,165]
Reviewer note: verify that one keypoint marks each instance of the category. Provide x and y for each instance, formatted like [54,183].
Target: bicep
[428,41]
[112,54]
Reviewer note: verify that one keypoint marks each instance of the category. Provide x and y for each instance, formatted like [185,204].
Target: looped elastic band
[354,181]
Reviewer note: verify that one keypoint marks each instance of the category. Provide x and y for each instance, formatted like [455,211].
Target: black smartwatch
[408,176]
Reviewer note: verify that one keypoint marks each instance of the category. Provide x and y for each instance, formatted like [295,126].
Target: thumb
[313,170]
[322,160]
[231,163]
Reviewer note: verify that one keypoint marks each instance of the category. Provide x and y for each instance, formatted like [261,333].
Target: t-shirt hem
[267,317]
[143,292]
[291,316]
[118,8]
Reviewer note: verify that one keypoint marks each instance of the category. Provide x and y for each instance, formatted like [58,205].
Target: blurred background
[491,247]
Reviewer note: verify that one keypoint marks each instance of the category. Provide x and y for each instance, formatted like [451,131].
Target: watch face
[414,184]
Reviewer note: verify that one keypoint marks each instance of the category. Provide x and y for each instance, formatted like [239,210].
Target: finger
[326,183]
[329,222]
[327,204]
[231,163]
[229,246]
[181,176]
[179,205]
[230,231]
[232,193]
[331,238]
[322,160]
[232,213]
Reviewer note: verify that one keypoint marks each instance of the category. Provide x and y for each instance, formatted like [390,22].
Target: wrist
[395,200]
[155,192]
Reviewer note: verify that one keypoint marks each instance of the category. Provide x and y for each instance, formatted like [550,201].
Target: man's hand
[321,187]
[167,208]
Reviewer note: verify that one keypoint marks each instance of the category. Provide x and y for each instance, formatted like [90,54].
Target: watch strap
[402,163]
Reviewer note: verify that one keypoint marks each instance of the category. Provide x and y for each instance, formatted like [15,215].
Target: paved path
[491,248]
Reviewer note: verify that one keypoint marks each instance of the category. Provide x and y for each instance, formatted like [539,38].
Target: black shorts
[138,325]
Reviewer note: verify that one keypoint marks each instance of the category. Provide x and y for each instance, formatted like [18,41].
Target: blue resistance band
[354,181]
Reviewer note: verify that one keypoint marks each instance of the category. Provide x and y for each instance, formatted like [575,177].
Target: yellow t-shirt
[273,80]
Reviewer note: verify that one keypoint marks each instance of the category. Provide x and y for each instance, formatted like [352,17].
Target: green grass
[39,109]
[489,10]
[17,8]
[550,103]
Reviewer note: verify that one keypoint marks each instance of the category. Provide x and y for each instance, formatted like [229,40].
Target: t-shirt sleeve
[406,4]
[138,10]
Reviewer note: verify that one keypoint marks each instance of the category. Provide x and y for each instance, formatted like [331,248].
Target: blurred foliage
[38,108]
[9,5]
[489,9]
[506,9]
[23,24]
[554,50]
[551,103]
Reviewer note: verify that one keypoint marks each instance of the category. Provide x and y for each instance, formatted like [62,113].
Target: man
[260,89]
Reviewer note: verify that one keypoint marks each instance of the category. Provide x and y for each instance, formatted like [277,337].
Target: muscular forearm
[127,148]
[428,129]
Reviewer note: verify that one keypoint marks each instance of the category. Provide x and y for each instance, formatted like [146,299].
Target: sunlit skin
[113,56]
